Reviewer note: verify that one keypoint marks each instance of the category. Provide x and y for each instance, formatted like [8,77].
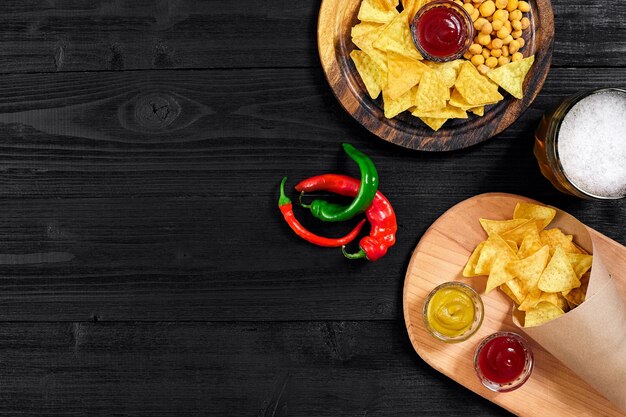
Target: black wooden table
[145,267]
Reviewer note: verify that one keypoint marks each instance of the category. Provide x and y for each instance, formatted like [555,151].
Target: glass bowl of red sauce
[503,361]
[442,31]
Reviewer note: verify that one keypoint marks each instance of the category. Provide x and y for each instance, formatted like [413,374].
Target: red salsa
[502,359]
[441,31]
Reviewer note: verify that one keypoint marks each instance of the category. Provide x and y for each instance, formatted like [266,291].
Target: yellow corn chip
[495,257]
[529,270]
[530,244]
[404,73]
[541,313]
[500,226]
[432,93]
[505,289]
[448,71]
[366,44]
[518,233]
[433,122]
[396,37]
[478,111]
[475,88]
[578,295]
[562,303]
[535,296]
[494,247]
[412,6]
[559,274]
[370,73]
[511,76]
[397,106]
[534,211]
[516,288]
[555,238]
[512,244]
[470,267]
[580,262]
[364,28]
[376,11]
[447,112]
[457,100]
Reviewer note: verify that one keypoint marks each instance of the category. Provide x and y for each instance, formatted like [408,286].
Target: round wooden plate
[553,390]
[337,17]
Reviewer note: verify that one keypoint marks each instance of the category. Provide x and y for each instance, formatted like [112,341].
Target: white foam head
[592,144]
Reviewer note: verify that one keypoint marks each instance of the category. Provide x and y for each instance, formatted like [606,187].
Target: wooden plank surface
[324,369]
[86,35]
[107,213]
[145,269]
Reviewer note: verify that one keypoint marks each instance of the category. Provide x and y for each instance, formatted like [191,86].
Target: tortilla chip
[577,295]
[448,71]
[529,269]
[530,244]
[433,122]
[447,112]
[478,111]
[511,76]
[500,227]
[517,234]
[396,37]
[534,211]
[541,313]
[432,93]
[366,44]
[475,88]
[555,238]
[580,262]
[364,28]
[404,74]
[470,266]
[376,11]
[397,106]
[370,73]
[559,274]
[505,289]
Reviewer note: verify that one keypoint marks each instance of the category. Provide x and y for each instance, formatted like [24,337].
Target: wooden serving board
[336,19]
[553,390]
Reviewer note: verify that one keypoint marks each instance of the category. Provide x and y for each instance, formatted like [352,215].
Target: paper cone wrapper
[591,338]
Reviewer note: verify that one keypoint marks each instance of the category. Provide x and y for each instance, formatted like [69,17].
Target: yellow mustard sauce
[450,312]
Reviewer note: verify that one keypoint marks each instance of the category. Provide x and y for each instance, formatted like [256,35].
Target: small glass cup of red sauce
[503,361]
[442,31]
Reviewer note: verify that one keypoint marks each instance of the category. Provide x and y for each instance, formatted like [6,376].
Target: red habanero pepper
[380,214]
[285,206]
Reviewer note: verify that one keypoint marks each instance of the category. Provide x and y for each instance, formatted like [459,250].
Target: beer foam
[592,144]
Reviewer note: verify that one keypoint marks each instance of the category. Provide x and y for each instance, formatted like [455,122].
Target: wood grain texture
[124,214]
[553,390]
[64,35]
[302,369]
[336,19]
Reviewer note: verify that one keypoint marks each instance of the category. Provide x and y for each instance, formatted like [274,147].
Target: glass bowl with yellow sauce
[453,312]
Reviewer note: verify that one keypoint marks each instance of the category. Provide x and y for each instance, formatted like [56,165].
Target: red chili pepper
[285,206]
[380,214]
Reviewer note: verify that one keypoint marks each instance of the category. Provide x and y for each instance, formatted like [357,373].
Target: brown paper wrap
[590,339]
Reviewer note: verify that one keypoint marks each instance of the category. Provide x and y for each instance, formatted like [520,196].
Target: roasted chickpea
[516,25]
[478,24]
[467,1]
[502,15]
[505,51]
[517,56]
[478,60]
[469,8]
[512,5]
[475,15]
[525,23]
[515,15]
[491,62]
[475,49]
[496,43]
[522,42]
[483,39]
[487,8]
[497,53]
[516,34]
[503,60]
[487,28]
[523,6]
[501,4]
[503,32]
[486,53]
[497,24]
[467,55]
[507,40]
[513,47]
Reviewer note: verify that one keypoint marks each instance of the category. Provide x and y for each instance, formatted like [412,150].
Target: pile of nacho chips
[540,269]
[388,62]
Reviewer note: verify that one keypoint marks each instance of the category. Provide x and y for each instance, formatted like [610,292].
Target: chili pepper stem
[359,255]
[283,200]
[308,206]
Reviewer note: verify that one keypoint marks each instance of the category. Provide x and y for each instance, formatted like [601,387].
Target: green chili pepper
[330,212]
